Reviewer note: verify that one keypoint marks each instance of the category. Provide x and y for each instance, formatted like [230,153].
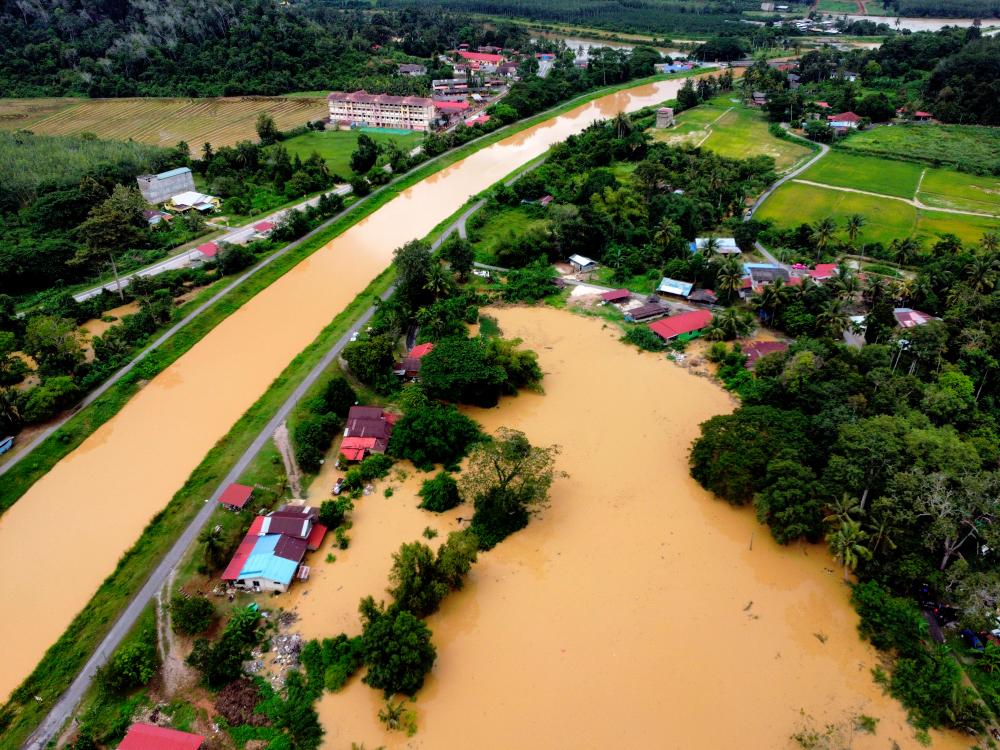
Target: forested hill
[216,47]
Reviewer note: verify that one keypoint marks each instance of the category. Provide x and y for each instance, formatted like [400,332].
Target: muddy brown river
[66,534]
[633,612]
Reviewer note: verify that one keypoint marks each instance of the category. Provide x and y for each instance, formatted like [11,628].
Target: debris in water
[749,604]
[821,637]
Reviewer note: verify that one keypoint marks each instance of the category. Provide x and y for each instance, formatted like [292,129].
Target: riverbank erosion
[65,535]
[633,611]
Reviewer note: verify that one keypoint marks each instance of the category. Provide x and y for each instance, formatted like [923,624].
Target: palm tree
[990,243]
[711,246]
[773,298]
[214,548]
[880,528]
[832,319]
[9,408]
[854,224]
[729,278]
[439,281]
[905,250]
[822,234]
[981,273]
[905,289]
[847,285]
[844,509]
[848,545]
[666,235]
[730,324]
[623,125]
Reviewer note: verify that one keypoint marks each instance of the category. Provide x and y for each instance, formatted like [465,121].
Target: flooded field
[633,612]
[130,468]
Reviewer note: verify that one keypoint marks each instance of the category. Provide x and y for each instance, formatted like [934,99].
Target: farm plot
[947,189]
[163,122]
[883,176]
[966,146]
[795,203]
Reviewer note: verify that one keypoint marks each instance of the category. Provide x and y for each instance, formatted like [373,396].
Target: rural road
[235,236]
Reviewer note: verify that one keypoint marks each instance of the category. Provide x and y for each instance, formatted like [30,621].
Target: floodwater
[66,534]
[633,612]
[918,24]
[582,45]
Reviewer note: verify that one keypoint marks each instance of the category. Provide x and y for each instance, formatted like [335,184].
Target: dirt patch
[284,443]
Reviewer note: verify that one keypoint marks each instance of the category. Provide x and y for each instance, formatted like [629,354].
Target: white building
[381,110]
[723,245]
[158,188]
[582,264]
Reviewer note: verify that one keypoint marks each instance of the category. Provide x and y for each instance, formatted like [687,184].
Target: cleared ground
[163,122]
[731,129]
[837,6]
[936,145]
[336,146]
[795,203]
[883,176]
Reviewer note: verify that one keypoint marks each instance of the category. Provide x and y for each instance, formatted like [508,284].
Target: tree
[234,258]
[267,131]
[459,253]
[56,344]
[413,579]
[413,263]
[215,548]
[823,234]
[832,320]
[729,279]
[730,324]
[298,716]
[222,662]
[113,225]
[338,397]
[47,398]
[687,97]
[460,370]
[191,615]
[132,665]
[312,437]
[855,222]
[530,284]
[440,493]
[848,545]
[333,512]
[371,360]
[433,434]
[365,154]
[506,479]
[455,558]
[790,502]
[397,649]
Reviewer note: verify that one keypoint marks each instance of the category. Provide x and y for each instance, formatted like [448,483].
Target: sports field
[336,146]
[732,129]
[162,122]
[795,203]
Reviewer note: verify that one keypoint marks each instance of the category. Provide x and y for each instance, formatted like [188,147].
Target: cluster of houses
[174,190]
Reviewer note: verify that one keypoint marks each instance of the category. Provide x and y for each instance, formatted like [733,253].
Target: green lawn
[884,176]
[948,189]
[937,145]
[734,130]
[794,203]
[837,6]
[509,222]
[336,146]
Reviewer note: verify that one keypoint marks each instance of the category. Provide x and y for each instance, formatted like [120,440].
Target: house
[480,120]
[758,99]
[823,271]
[150,737]
[482,57]
[270,556]
[909,318]
[411,69]
[582,264]
[617,295]
[794,80]
[545,56]
[447,108]
[919,116]
[235,496]
[154,217]
[685,324]
[764,273]
[649,311]
[723,245]
[193,200]
[545,200]
[757,349]
[822,105]
[844,121]
[706,296]
[263,229]
[380,110]
[368,431]
[159,188]
[410,366]
[205,251]
[507,70]
[675,287]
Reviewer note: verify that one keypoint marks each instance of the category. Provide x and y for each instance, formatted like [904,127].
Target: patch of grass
[949,189]
[500,225]
[336,146]
[883,176]
[837,6]
[967,147]
[794,203]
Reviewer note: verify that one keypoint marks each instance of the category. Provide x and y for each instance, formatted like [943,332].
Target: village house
[758,99]
[707,296]
[151,737]
[154,217]
[368,431]
[757,349]
[263,229]
[649,311]
[907,317]
[411,69]
[159,188]
[447,109]
[409,368]
[723,245]
[686,325]
[380,110]
[824,272]
[205,251]
[674,287]
[270,556]
[582,264]
[844,121]
[616,296]
[482,61]
[235,496]
[192,200]
[478,120]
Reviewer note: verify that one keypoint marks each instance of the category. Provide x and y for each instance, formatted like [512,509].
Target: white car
[354,336]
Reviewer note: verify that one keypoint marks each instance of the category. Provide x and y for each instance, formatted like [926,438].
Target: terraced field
[163,122]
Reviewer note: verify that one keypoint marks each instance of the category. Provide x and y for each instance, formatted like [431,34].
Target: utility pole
[118,282]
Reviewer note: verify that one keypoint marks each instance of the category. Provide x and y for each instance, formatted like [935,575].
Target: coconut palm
[904,251]
[847,285]
[905,288]
[990,243]
[981,273]
[667,234]
[881,529]
[730,324]
[832,319]
[439,281]
[215,552]
[848,545]
[711,246]
[822,234]
[844,509]
[854,224]
[9,408]
[729,278]
[623,125]
[773,298]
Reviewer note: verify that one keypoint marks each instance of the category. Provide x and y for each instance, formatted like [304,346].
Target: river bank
[636,607]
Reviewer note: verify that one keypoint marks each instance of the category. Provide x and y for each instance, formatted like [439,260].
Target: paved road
[236,236]
[68,702]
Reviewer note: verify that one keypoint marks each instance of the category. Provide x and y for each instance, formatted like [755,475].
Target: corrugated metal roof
[677,325]
[673,286]
[149,737]
[172,173]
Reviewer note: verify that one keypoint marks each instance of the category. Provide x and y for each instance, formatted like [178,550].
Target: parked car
[339,486]
[6,444]
[971,640]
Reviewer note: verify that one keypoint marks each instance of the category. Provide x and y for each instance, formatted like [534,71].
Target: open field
[888,177]
[938,145]
[947,189]
[336,146]
[837,6]
[163,122]
[734,130]
[795,203]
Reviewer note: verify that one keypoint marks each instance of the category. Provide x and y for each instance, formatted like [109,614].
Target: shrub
[433,434]
[644,338]
[133,664]
[312,437]
[191,615]
[440,493]
[397,649]
[332,513]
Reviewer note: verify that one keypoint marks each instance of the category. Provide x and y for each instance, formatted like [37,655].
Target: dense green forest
[214,48]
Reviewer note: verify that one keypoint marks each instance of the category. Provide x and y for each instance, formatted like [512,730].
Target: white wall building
[158,188]
[381,110]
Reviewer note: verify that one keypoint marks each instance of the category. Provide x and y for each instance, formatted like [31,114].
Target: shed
[723,245]
[675,287]
[236,496]
[703,295]
[150,737]
[823,271]
[679,325]
[646,312]
[581,263]
[617,295]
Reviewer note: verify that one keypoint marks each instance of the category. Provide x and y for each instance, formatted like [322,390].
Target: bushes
[433,434]
[420,581]
[889,622]
[440,493]
[478,370]
[133,664]
[222,661]
[330,663]
[644,338]
[374,467]
[397,649]
[332,513]
[191,615]
[312,437]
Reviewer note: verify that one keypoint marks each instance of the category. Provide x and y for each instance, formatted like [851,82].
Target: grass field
[837,6]
[936,145]
[336,146]
[732,129]
[163,122]
[794,203]
[884,176]
[947,189]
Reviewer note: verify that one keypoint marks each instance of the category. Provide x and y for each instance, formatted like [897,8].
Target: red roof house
[823,105]
[263,227]
[315,538]
[844,117]
[481,57]
[367,422]
[243,552]
[678,325]
[356,448]
[208,249]
[617,295]
[236,496]
[149,737]
[757,349]
[922,116]
[410,366]
[823,271]
[451,106]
